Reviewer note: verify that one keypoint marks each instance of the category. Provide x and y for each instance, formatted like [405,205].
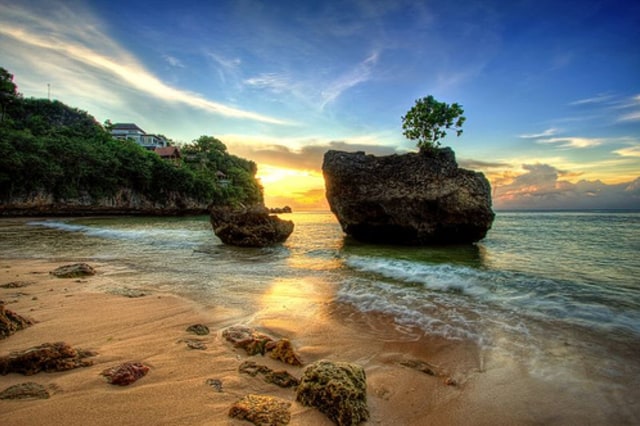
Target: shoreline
[469,386]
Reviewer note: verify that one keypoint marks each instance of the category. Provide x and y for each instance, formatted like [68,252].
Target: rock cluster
[416,198]
[249,226]
[254,343]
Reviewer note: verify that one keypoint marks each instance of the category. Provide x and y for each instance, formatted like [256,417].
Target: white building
[132,131]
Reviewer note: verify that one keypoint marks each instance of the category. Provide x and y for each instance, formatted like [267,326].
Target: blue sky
[551,90]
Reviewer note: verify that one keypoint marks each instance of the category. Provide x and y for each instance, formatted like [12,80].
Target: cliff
[124,201]
[415,198]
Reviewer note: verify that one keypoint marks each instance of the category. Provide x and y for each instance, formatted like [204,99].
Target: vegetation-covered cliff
[56,159]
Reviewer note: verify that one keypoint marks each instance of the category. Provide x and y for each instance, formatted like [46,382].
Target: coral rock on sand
[10,322]
[262,410]
[199,329]
[280,378]
[337,389]
[282,350]
[75,270]
[29,390]
[126,373]
[48,357]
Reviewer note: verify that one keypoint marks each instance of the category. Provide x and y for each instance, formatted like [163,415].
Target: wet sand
[466,389]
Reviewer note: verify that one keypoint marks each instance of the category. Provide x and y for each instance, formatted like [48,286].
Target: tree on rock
[427,121]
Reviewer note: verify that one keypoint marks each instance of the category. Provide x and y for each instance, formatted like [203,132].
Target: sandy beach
[152,329]
[89,313]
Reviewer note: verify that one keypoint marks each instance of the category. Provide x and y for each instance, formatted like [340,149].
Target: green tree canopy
[426,122]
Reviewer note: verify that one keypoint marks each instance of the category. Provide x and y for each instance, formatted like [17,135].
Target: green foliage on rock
[426,122]
[47,147]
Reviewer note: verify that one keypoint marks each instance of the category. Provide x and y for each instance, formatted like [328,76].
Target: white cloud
[632,116]
[173,61]
[359,74]
[549,132]
[572,142]
[631,151]
[598,99]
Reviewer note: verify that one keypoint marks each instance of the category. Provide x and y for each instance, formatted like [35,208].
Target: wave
[147,235]
[460,301]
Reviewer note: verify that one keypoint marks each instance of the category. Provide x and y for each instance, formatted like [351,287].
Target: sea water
[557,291]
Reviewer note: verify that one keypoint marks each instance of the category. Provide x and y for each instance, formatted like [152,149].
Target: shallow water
[555,292]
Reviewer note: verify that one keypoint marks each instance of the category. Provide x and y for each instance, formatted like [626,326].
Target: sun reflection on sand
[291,306]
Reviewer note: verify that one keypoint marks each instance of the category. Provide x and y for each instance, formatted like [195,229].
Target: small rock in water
[199,329]
[262,410]
[73,271]
[29,390]
[48,357]
[126,373]
[421,366]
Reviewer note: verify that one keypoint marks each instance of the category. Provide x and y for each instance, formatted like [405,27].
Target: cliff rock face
[416,198]
[249,227]
[124,201]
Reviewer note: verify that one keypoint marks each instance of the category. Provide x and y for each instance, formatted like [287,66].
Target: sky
[550,89]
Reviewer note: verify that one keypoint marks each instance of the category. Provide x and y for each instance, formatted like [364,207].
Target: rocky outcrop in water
[249,226]
[416,198]
[337,389]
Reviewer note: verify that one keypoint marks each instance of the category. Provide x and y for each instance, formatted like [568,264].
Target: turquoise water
[557,291]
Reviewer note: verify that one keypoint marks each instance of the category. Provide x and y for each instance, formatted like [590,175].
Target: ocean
[558,293]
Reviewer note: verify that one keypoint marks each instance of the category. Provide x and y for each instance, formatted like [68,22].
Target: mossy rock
[337,389]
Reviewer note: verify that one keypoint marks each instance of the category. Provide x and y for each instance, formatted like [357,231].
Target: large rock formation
[249,227]
[416,198]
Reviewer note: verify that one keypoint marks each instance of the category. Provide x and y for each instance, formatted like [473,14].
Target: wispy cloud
[549,132]
[598,99]
[631,151]
[87,46]
[359,74]
[277,83]
[572,142]
[173,61]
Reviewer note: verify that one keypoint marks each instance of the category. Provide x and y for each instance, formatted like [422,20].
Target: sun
[290,186]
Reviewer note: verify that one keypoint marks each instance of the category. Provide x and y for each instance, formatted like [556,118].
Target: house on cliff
[124,131]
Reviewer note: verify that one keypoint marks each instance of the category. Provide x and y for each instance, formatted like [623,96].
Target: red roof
[168,152]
